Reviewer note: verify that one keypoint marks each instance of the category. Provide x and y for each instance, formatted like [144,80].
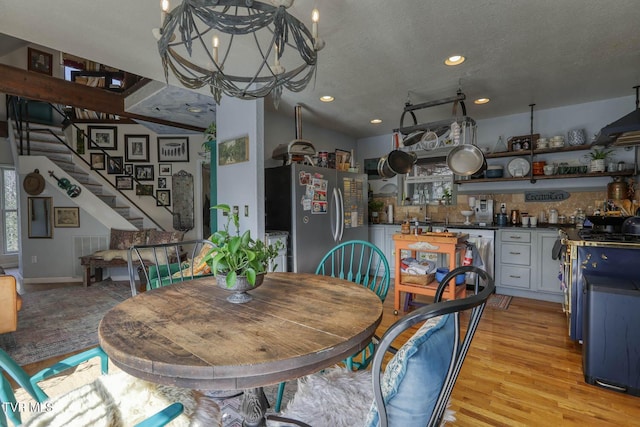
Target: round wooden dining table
[188,334]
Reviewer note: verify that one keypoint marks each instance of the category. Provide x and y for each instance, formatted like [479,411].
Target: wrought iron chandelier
[259,31]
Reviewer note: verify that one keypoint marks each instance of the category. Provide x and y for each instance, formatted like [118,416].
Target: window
[430,182]
[9,205]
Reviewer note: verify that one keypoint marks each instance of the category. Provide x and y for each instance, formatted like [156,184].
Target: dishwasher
[484,241]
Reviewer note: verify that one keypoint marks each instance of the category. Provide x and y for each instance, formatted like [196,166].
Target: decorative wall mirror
[40,218]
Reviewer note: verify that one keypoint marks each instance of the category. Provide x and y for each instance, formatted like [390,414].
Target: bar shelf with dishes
[533,170]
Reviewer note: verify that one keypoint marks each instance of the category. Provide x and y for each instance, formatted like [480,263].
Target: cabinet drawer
[518,277]
[515,254]
[515,236]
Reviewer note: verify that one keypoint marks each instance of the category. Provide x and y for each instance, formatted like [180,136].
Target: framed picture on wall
[39,61]
[233,151]
[105,137]
[114,165]
[80,141]
[128,169]
[162,182]
[144,190]
[136,148]
[164,169]
[173,149]
[66,217]
[163,197]
[124,182]
[144,173]
[97,161]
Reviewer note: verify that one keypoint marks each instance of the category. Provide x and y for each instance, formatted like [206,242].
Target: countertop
[461,225]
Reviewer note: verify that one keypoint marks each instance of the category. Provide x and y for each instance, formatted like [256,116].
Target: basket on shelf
[417,279]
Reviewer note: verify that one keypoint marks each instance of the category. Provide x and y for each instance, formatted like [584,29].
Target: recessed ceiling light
[454,60]
[193,109]
[481,101]
[327,98]
[376,121]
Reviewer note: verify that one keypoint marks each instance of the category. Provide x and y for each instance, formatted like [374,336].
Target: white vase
[597,165]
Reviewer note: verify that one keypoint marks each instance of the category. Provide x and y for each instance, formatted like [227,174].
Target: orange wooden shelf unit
[452,245]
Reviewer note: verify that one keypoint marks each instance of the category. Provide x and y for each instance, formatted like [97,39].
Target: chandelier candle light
[256,30]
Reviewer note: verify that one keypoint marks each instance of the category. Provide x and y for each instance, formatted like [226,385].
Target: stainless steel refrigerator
[319,207]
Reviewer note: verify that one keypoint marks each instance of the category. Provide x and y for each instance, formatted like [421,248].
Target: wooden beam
[41,87]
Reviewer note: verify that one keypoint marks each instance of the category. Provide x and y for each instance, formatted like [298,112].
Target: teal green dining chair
[363,263]
[167,263]
[11,408]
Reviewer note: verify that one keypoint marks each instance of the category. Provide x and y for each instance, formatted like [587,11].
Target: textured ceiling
[547,52]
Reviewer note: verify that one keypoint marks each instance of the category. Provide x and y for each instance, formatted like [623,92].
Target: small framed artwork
[80,148]
[164,169]
[163,197]
[128,169]
[97,161]
[162,182]
[66,217]
[144,190]
[233,151]
[144,173]
[105,137]
[124,182]
[136,148]
[114,166]
[173,149]
[40,62]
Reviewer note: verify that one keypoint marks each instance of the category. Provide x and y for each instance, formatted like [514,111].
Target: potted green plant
[375,207]
[238,261]
[598,158]
[209,139]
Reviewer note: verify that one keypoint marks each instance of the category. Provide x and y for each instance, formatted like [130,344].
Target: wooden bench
[120,241]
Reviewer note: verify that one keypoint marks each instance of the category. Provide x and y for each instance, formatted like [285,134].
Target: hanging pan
[383,168]
[401,162]
[466,160]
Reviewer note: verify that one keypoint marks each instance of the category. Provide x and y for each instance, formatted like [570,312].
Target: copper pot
[515,217]
[618,189]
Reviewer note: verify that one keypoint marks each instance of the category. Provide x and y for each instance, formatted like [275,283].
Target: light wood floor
[522,369]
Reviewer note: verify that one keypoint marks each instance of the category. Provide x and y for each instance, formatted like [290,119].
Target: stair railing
[15,112]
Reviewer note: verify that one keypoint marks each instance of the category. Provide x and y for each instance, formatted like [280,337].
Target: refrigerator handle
[335,227]
[342,213]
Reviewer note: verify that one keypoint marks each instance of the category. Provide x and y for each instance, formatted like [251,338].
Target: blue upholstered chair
[167,263]
[415,386]
[11,408]
[363,263]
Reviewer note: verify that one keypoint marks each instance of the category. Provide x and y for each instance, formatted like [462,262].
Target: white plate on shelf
[518,164]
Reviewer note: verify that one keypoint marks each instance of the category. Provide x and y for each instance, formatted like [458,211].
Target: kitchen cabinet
[530,155]
[389,246]
[524,266]
[378,238]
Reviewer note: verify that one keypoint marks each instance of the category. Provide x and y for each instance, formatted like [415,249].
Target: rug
[58,321]
[499,302]
[88,371]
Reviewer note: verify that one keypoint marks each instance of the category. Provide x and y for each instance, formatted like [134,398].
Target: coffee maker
[484,211]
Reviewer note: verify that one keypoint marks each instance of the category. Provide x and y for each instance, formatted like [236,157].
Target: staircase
[43,143]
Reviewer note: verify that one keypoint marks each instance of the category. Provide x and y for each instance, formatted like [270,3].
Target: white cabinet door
[378,238]
[549,268]
[390,248]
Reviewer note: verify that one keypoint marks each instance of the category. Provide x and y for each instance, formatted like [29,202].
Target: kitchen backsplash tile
[587,200]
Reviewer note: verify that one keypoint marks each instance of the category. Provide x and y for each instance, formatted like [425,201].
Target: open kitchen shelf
[537,177]
[521,153]
[533,178]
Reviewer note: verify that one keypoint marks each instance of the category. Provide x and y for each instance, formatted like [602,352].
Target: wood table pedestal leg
[254,406]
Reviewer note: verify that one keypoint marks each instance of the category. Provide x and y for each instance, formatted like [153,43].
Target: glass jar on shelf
[580,217]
